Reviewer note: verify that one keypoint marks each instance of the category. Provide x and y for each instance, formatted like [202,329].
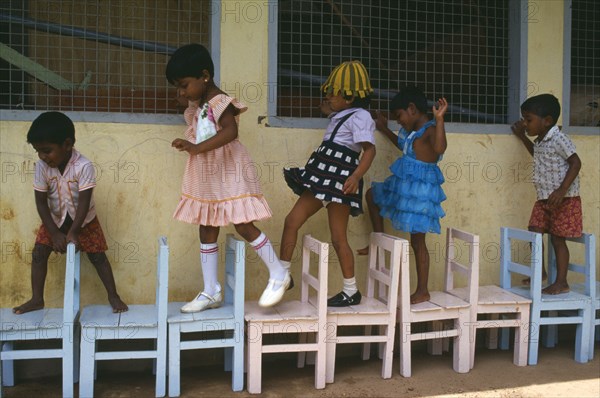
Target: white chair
[141,322]
[228,319]
[546,309]
[589,287]
[442,306]
[308,315]
[45,325]
[501,307]
[376,309]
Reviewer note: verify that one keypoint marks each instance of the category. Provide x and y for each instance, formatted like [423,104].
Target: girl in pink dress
[219,186]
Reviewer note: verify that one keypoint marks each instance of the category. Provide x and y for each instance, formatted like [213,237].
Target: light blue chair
[45,325]
[141,322]
[227,319]
[589,287]
[545,309]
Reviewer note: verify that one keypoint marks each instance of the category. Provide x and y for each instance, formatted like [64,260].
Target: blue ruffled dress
[411,197]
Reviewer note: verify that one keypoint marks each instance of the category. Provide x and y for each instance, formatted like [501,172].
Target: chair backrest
[162,285]
[386,255]
[318,283]
[72,286]
[235,258]
[534,255]
[587,269]
[462,261]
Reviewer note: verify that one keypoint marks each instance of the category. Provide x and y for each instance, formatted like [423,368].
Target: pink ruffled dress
[220,187]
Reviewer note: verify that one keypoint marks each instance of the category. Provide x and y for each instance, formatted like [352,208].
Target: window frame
[517,74]
[133,118]
[566,99]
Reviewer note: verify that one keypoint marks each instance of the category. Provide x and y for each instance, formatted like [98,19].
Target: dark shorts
[564,221]
[91,238]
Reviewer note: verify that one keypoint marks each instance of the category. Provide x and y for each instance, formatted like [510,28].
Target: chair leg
[551,332]
[174,360]
[67,361]
[321,365]
[301,358]
[87,363]
[405,350]
[461,349]
[161,366]
[436,346]
[330,349]
[76,341]
[254,359]
[228,360]
[237,371]
[582,336]
[366,351]
[521,337]
[8,368]
[388,352]
[534,333]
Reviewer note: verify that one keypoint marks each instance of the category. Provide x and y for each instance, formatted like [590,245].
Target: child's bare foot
[117,304]
[419,297]
[31,305]
[363,252]
[556,288]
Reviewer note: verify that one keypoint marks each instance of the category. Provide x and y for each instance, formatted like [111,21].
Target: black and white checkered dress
[326,172]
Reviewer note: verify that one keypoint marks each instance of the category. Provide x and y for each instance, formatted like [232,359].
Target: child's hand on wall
[518,129]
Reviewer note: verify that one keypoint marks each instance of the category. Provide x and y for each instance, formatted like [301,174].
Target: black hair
[189,61]
[542,105]
[358,101]
[53,127]
[409,94]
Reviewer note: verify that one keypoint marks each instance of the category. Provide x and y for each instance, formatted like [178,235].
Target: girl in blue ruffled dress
[411,197]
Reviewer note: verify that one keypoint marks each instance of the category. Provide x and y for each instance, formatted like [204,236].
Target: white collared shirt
[63,189]
[360,127]
[550,163]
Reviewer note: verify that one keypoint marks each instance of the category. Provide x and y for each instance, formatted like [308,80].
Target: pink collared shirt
[63,189]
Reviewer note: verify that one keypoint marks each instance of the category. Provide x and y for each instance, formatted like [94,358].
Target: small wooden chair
[141,322]
[589,287]
[229,319]
[442,306]
[308,315]
[503,308]
[46,324]
[546,309]
[377,308]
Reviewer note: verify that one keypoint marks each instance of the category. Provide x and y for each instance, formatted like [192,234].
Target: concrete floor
[494,375]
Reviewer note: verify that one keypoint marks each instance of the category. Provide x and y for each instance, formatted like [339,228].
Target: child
[556,167]
[214,192]
[63,185]
[332,177]
[411,197]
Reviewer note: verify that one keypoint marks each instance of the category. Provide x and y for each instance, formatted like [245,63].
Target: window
[585,64]
[455,49]
[98,56]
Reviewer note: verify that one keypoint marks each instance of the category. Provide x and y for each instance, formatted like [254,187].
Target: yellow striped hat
[349,78]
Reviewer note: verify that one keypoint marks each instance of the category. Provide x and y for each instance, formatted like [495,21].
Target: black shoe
[343,300]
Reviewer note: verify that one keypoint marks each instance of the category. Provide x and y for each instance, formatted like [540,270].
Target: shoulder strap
[340,123]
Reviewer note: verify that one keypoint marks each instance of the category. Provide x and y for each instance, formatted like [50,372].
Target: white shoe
[203,302]
[274,291]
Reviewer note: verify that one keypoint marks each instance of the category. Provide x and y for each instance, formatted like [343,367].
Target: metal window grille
[585,63]
[99,56]
[450,48]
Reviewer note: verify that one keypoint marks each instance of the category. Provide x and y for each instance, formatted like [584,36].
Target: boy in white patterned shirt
[63,185]
[557,210]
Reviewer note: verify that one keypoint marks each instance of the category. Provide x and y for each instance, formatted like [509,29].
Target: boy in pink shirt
[63,185]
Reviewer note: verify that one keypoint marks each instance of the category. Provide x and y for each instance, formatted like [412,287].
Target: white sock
[350,287]
[265,251]
[286,264]
[209,258]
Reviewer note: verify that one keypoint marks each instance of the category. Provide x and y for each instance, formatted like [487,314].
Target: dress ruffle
[411,196]
[222,213]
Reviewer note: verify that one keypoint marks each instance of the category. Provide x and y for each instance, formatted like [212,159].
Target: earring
[205,80]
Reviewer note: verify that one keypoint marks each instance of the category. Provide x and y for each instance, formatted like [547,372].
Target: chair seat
[102,316]
[580,288]
[48,318]
[569,300]
[491,295]
[221,313]
[439,301]
[286,310]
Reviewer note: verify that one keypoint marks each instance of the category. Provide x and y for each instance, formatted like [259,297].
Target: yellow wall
[488,182]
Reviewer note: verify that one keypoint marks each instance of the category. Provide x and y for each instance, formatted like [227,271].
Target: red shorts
[91,238]
[564,221]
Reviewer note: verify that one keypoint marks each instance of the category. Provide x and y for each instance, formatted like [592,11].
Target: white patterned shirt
[63,189]
[550,163]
